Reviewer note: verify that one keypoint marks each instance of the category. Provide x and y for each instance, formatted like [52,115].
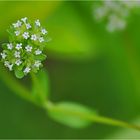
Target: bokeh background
[86,64]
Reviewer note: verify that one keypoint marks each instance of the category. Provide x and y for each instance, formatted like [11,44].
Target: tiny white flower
[115,23]
[17,54]
[10,67]
[18,62]
[33,37]
[28,48]
[43,31]
[25,35]
[17,33]
[131,4]
[10,46]
[100,13]
[19,46]
[41,39]
[3,55]
[37,63]
[6,63]
[27,70]
[28,26]
[17,24]
[24,19]
[37,22]
[37,52]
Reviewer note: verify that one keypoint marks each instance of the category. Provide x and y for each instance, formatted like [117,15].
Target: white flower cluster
[24,53]
[115,13]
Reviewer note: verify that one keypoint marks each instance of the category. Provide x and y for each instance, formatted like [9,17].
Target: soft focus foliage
[86,64]
[115,13]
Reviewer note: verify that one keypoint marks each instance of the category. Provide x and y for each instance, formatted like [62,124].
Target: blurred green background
[86,64]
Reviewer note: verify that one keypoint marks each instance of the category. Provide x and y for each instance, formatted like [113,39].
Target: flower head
[37,22]
[17,24]
[19,46]
[44,31]
[3,55]
[41,39]
[25,51]
[28,48]
[28,25]
[24,19]
[18,62]
[27,70]
[38,52]
[33,37]
[25,35]
[10,46]
[37,63]
[17,33]
[115,13]
[17,54]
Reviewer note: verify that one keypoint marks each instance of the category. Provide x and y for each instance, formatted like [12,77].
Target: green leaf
[40,87]
[40,57]
[71,114]
[4,45]
[19,74]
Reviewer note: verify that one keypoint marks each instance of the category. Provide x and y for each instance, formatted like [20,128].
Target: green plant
[29,40]
[24,52]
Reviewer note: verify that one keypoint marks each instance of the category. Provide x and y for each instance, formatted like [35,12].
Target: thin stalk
[114,122]
[91,117]
[37,85]
[21,91]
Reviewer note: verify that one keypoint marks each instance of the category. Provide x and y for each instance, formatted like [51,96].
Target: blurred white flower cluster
[115,13]
[24,52]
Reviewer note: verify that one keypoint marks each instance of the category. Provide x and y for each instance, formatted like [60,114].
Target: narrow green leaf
[71,114]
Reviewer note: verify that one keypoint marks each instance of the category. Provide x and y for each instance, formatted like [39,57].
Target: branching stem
[93,118]
[21,91]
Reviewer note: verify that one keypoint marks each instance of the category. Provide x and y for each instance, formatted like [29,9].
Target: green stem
[21,91]
[92,117]
[114,122]
[15,86]
[39,93]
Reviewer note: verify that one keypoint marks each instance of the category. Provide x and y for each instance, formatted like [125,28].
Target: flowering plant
[24,52]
